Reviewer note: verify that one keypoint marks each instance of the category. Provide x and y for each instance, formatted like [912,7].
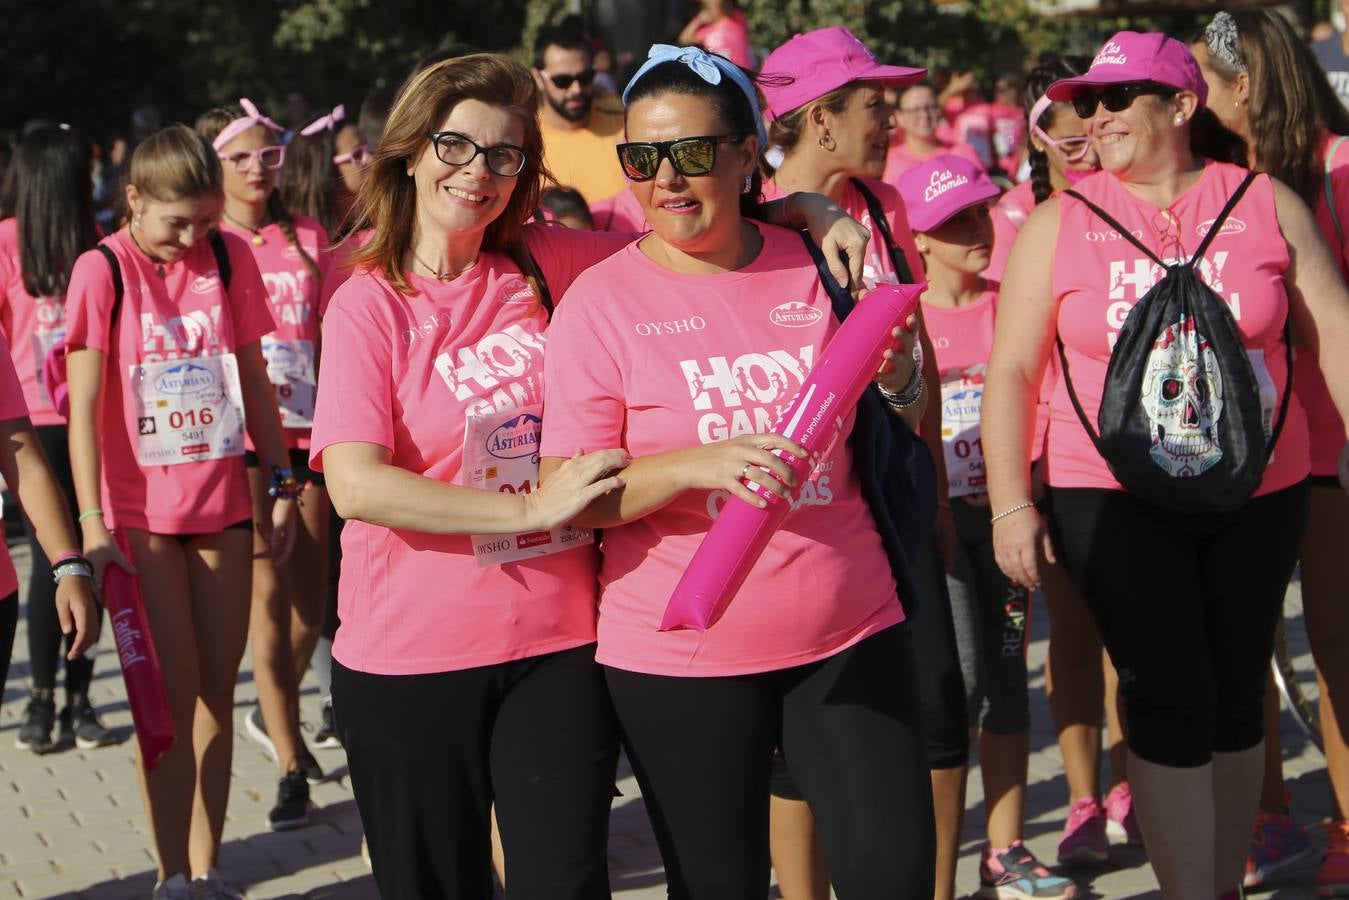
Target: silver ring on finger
[744,472]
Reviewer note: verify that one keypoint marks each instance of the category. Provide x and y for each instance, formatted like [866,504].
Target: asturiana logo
[516,438]
[1112,54]
[205,284]
[187,378]
[941,182]
[1230,226]
[795,314]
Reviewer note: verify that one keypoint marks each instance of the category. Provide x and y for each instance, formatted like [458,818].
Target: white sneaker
[256,729]
[212,886]
[175,888]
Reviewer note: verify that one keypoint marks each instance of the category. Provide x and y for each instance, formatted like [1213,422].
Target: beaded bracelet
[284,486]
[907,397]
[1007,512]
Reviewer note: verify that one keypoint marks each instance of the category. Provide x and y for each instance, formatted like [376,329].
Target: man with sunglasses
[579,133]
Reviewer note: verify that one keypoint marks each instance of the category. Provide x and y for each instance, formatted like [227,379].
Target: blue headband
[707,66]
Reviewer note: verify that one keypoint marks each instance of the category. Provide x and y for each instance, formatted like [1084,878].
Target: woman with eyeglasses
[1265,84]
[325,165]
[682,349]
[165,374]
[918,116]
[463,670]
[292,255]
[1185,602]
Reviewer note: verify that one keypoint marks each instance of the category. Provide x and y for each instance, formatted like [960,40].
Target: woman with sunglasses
[829,131]
[1185,603]
[1259,72]
[292,255]
[680,348]
[1078,673]
[463,670]
[919,117]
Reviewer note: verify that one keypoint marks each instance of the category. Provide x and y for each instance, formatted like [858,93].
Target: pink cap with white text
[1130,57]
[938,188]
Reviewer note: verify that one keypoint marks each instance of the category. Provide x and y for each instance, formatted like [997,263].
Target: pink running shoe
[1332,878]
[1121,823]
[1277,845]
[1084,840]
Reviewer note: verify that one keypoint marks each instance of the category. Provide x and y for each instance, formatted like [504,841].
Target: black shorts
[241,525]
[299,464]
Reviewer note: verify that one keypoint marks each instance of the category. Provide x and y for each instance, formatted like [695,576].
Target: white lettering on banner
[129,639]
[676,326]
[941,182]
[195,334]
[765,378]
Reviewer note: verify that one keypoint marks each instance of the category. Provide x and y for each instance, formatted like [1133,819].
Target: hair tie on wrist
[88,514]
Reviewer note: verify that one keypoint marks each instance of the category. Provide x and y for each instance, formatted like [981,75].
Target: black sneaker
[39,718]
[292,803]
[79,723]
[326,737]
[313,772]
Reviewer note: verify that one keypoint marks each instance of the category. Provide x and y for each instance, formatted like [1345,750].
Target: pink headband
[326,123]
[250,118]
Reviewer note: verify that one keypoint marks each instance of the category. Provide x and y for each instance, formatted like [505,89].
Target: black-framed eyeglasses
[1117,97]
[689,156]
[455,149]
[565,81]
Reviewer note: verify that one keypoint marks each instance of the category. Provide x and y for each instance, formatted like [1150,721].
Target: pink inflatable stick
[737,538]
[140,663]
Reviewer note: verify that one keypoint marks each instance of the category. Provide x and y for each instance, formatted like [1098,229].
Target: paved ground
[71,822]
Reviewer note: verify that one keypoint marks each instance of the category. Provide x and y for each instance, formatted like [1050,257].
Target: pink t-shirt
[651,360]
[30,325]
[182,313]
[1098,277]
[1009,214]
[339,267]
[1309,386]
[900,159]
[728,37]
[410,369]
[292,291]
[12,406]
[621,212]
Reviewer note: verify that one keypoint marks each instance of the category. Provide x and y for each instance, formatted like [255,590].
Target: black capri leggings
[429,754]
[850,729]
[1186,604]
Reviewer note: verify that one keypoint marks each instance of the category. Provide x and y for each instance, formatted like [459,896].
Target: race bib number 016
[290,368]
[501,453]
[188,410]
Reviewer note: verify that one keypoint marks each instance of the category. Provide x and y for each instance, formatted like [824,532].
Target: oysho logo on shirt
[672,326]
[1112,54]
[942,182]
[188,378]
[1232,225]
[205,284]
[795,314]
[1101,237]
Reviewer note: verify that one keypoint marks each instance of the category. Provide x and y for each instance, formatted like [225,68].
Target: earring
[827,141]
[136,220]
[749,184]
[1180,118]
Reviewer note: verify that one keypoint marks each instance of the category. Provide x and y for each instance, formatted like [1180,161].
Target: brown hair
[388,197]
[786,131]
[174,164]
[1291,102]
[209,125]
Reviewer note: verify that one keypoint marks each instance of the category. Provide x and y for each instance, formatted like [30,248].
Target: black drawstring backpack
[1181,424]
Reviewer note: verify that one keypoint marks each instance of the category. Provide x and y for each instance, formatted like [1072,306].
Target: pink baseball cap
[811,65]
[938,188]
[1131,57]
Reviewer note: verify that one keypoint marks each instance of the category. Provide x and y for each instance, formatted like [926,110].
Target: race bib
[43,341]
[290,368]
[962,398]
[501,453]
[188,410]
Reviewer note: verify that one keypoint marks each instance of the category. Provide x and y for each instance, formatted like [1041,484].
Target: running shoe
[292,803]
[326,737]
[79,724]
[175,888]
[212,886]
[39,718]
[313,772]
[1084,842]
[365,854]
[1121,823]
[1332,878]
[256,729]
[1015,874]
[1277,845]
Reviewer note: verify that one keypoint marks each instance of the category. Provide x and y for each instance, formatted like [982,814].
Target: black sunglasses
[689,156]
[1117,98]
[455,149]
[563,82]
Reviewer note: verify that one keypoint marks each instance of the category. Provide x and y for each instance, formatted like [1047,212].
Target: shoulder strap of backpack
[1077,404]
[842,301]
[897,258]
[1111,221]
[1330,193]
[1217,225]
[1287,388]
[222,257]
[116,281]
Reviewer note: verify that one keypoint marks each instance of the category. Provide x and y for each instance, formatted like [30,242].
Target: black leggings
[9,625]
[1187,605]
[941,683]
[429,754]
[850,729]
[44,628]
